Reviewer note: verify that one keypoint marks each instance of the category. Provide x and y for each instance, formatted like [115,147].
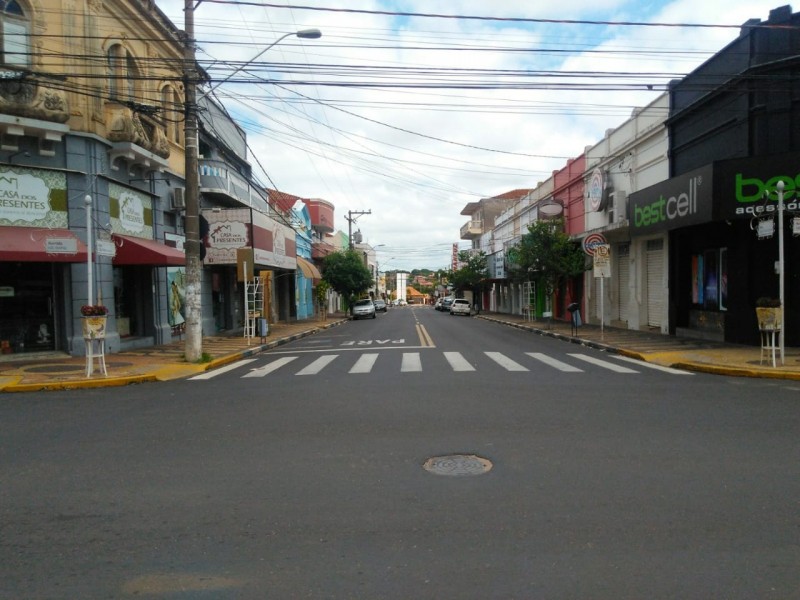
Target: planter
[769,318]
[94,328]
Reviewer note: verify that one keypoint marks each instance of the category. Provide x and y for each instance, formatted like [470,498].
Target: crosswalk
[412,362]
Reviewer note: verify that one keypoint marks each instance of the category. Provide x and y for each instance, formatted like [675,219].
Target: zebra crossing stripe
[458,362]
[554,362]
[411,363]
[319,364]
[603,363]
[270,367]
[505,362]
[221,370]
[364,363]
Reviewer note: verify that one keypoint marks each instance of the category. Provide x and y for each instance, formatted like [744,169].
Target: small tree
[471,275]
[347,274]
[322,298]
[547,255]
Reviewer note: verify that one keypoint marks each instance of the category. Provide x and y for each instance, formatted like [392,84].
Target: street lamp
[194,266]
[308,34]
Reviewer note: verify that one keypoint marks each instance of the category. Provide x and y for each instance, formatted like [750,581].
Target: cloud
[415,156]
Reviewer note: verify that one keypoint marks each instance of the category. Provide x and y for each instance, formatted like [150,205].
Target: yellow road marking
[424,339]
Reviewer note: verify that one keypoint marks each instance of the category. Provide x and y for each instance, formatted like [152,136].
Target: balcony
[30,108]
[220,178]
[319,250]
[472,230]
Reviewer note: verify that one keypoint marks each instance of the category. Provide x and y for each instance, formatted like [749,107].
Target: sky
[410,110]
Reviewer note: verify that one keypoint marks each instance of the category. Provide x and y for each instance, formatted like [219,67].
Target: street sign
[602,261]
[106,248]
[65,245]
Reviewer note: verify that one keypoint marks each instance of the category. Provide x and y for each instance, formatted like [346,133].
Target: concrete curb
[163,372]
[683,364]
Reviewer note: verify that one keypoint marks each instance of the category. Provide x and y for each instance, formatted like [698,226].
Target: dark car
[380,306]
[446,303]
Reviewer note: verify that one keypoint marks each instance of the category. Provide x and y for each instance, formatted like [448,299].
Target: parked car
[446,302]
[438,304]
[460,306]
[380,305]
[364,309]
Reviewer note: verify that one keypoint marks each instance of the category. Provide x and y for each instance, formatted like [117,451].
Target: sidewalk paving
[54,371]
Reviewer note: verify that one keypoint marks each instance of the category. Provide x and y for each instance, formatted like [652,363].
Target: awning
[308,269]
[137,251]
[35,244]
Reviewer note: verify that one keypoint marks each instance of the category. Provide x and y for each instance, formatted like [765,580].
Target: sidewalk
[54,371]
[669,351]
[59,371]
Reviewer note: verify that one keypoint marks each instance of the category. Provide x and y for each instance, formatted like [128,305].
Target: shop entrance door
[27,307]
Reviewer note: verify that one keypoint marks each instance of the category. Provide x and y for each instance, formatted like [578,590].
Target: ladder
[254,307]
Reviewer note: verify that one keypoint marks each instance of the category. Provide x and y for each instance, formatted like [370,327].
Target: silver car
[364,309]
[460,306]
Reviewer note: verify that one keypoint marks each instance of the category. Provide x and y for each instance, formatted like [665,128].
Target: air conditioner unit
[617,206]
[179,198]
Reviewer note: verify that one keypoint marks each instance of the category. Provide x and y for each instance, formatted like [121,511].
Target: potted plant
[94,321]
[768,312]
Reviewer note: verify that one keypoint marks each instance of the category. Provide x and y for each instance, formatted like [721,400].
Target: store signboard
[33,197]
[678,202]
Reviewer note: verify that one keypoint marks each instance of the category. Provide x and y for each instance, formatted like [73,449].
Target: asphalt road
[301,474]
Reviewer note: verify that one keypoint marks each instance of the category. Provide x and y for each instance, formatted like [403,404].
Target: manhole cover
[458,465]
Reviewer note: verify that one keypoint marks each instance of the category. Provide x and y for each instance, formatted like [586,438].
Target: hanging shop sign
[592,241]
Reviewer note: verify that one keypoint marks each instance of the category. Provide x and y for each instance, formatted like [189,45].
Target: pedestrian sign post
[602,269]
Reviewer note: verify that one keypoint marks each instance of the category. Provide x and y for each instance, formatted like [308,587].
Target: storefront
[36,249]
[719,263]
[273,250]
[148,274]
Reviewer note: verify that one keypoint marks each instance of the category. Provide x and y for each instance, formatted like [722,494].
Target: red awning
[34,244]
[138,251]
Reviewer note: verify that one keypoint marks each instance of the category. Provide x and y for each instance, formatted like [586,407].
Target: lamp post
[781,277]
[87,202]
[194,267]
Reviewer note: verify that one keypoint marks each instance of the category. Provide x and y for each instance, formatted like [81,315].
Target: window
[171,111]
[16,42]
[123,73]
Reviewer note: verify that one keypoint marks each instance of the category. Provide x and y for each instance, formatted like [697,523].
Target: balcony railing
[472,229]
[219,177]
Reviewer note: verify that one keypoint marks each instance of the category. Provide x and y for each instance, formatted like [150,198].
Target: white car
[460,306]
[364,309]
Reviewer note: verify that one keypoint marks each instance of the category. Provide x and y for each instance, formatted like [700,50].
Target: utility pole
[351,219]
[194,268]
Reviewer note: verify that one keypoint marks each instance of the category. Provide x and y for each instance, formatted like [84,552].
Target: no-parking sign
[602,261]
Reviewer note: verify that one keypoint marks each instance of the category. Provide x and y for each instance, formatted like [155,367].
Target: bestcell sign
[678,202]
[749,187]
[755,196]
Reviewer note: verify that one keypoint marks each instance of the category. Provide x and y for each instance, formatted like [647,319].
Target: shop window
[710,279]
[16,36]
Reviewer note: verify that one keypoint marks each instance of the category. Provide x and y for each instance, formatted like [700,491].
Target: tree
[471,275]
[546,255]
[347,274]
